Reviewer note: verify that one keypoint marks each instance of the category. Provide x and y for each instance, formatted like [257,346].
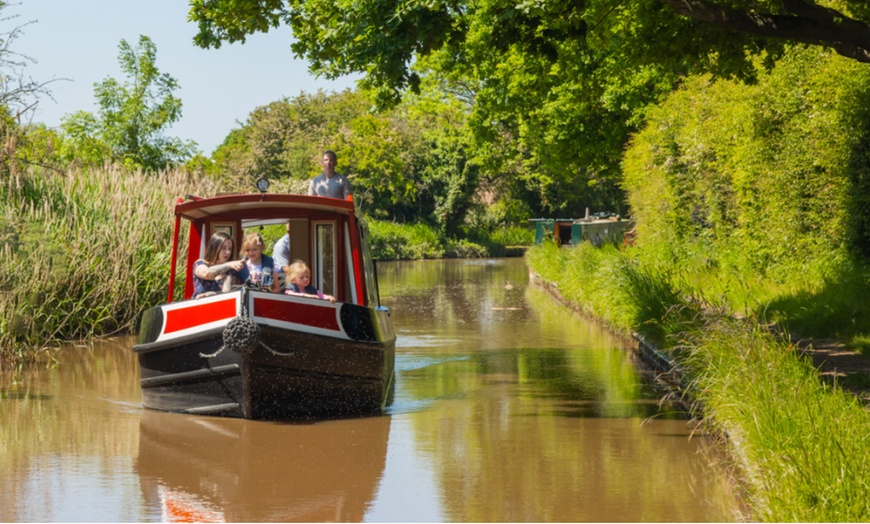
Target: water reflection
[510,334]
[209,469]
[507,408]
[68,435]
[525,412]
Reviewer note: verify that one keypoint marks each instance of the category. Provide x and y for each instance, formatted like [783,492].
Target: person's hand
[329,298]
[236,265]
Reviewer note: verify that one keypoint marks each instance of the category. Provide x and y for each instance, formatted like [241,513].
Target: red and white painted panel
[193,316]
[307,315]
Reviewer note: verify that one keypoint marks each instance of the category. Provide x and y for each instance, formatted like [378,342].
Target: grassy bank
[800,444]
[83,253]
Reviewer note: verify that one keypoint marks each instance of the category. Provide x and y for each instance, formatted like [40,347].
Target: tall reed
[83,252]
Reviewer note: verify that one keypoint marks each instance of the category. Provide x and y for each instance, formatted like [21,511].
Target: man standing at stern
[329,183]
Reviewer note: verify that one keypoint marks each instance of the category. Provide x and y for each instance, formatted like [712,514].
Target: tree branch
[804,22]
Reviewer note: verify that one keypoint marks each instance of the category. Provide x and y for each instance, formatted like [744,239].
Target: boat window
[350,288]
[370,268]
[324,260]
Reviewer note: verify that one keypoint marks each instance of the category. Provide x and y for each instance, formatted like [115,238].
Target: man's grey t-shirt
[335,187]
[281,253]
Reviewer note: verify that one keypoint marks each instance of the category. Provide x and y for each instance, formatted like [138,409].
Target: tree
[383,38]
[563,99]
[19,93]
[130,124]
[285,138]
[562,85]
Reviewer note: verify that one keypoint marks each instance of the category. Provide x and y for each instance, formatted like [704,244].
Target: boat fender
[241,335]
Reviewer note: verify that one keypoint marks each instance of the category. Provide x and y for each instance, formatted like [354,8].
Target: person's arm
[311,191]
[207,272]
[228,282]
[321,296]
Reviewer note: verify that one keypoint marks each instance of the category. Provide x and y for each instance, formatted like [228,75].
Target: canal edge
[667,373]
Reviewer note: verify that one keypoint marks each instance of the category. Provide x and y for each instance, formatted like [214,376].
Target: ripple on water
[413,362]
[406,340]
[8,394]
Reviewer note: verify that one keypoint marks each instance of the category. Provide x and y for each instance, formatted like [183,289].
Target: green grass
[803,445]
[513,236]
[394,241]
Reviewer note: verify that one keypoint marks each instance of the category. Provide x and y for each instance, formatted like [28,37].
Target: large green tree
[550,112]
[556,88]
[133,116]
[285,138]
[408,163]
[383,38]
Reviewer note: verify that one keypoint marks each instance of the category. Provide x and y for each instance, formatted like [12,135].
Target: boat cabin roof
[262,207]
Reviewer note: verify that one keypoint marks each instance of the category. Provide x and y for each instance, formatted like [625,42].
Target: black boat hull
[309,357]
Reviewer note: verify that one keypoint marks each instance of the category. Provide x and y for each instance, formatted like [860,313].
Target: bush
[760,185]
[392,241]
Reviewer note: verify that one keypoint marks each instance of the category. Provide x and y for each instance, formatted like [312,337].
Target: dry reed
[83,252]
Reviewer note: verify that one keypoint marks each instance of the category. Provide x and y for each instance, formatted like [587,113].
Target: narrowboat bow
[255,354]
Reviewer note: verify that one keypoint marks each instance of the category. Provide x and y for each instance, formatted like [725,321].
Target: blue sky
[78,40]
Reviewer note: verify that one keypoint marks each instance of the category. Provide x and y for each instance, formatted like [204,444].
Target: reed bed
[800,445]
[83,252]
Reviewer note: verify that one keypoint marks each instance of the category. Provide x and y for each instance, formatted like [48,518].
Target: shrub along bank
[83,252]
[752,206]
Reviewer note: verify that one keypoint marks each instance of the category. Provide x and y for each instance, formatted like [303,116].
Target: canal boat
[255,354]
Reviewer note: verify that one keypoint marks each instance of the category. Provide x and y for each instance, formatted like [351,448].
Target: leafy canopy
[383,38]
[553,89]
[132,117]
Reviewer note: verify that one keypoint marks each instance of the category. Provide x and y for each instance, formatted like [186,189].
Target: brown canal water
[508,408]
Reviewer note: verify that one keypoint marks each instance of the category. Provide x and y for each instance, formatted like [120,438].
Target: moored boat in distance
[255,354]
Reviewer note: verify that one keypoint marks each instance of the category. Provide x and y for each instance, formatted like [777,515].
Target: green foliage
[408,164]
[838,308]
[757,180]
[377,151]
[392,241]
[513,236]
[284,140]
[132,117]
[552,91]
[628,294]
[805,442]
